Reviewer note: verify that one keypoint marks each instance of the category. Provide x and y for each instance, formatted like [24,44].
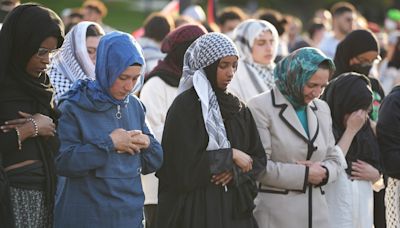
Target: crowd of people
[244,123]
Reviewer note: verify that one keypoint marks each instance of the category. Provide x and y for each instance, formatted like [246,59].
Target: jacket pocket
[120,166]
[272,190]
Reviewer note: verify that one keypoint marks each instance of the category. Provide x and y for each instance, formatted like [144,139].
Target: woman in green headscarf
[296,131]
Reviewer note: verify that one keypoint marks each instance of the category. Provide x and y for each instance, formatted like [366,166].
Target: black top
[3,15]
[187,198]
[388,132]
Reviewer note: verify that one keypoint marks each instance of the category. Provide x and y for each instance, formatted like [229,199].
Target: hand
[356,120]
[45,124]
[222,178]
[243,160]
[364,171]
[141,140]
[123,142]
[316,173]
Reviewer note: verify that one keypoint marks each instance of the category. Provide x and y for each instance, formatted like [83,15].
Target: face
[346,22]
[316,85]
[263,48]
[91,46]
[366,58]
[38,63]
[229,25]
[91,15]
[124,84]
[225,71]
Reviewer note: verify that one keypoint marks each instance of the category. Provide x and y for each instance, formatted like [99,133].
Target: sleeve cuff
[325,180]
[106,144]
[220,160]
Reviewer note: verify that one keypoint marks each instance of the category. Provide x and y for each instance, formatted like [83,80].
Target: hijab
[23,31]
[175,45]
[293,72]
[205,51]
[355,43]
[244,37]
[347,93]
[115,53]
[73,60]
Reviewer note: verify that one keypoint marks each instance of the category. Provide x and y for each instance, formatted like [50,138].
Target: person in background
[390,77]
[158,93]
[212,150]
[343,22]
[316,31]
[257,42]
[29,37]
[76,58]
[71,17]
[229,18]
[156,27]
[102,164]
[95,11]
[350,198]
[6,6]
[295,129]
[388,133]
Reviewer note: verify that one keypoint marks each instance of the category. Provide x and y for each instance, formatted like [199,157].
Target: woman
[157,95]
[357,53]
[388,133]
[76,58]
[350,198]
[390,75]
[30,35]
[257,42]
[295,128]
[103,163]
[211,146]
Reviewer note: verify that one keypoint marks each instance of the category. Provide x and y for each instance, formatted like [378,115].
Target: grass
[120,14]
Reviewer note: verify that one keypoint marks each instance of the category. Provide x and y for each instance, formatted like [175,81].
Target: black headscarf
[347,93]
[355,43]
[228,103]
[25,28]
[23,31]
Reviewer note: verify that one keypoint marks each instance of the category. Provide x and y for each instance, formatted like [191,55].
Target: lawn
[121,15]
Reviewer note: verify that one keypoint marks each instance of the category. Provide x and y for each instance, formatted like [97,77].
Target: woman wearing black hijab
[351,196]
[357,53]
[30,34]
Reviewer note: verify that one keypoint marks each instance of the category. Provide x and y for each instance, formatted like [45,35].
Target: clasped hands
[316,173]
[242,160]
[129,141]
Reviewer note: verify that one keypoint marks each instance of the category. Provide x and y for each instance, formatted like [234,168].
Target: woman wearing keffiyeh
[211,146]
[257,42]
[295,129]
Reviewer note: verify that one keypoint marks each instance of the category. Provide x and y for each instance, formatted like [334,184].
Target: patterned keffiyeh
[293,72]
[206,50]
[72,62]
[245,35]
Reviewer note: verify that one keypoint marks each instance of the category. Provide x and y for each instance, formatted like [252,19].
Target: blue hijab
[115,53]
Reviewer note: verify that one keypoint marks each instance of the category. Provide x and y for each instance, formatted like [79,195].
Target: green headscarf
[293,72]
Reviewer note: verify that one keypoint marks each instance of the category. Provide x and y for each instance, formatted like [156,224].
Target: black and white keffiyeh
[244,37]
[72,62]
[203,52]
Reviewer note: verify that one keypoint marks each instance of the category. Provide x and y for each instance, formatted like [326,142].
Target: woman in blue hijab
[105,142]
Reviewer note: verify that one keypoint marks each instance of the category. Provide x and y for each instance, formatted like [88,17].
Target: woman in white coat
[296,131]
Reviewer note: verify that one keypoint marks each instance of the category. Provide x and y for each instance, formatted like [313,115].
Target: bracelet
[35,126]
[19,139]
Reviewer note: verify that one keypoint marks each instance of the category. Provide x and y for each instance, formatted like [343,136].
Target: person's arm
[76,158]
[276,174]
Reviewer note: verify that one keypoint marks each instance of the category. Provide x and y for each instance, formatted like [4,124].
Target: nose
[317,92]
[128,86]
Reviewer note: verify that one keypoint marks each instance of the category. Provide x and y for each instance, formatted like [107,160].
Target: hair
[93,30]
[340,8]
[96,5]
[274,17]
[395,60]
[231,13]
[157,26]
[314,26]
[326,65]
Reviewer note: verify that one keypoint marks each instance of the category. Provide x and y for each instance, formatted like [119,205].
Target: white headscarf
[72,62]
[206,50]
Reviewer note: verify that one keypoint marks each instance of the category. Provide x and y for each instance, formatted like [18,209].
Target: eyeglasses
[43,52]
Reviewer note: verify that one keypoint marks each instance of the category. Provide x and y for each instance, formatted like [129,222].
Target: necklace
[118,115]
